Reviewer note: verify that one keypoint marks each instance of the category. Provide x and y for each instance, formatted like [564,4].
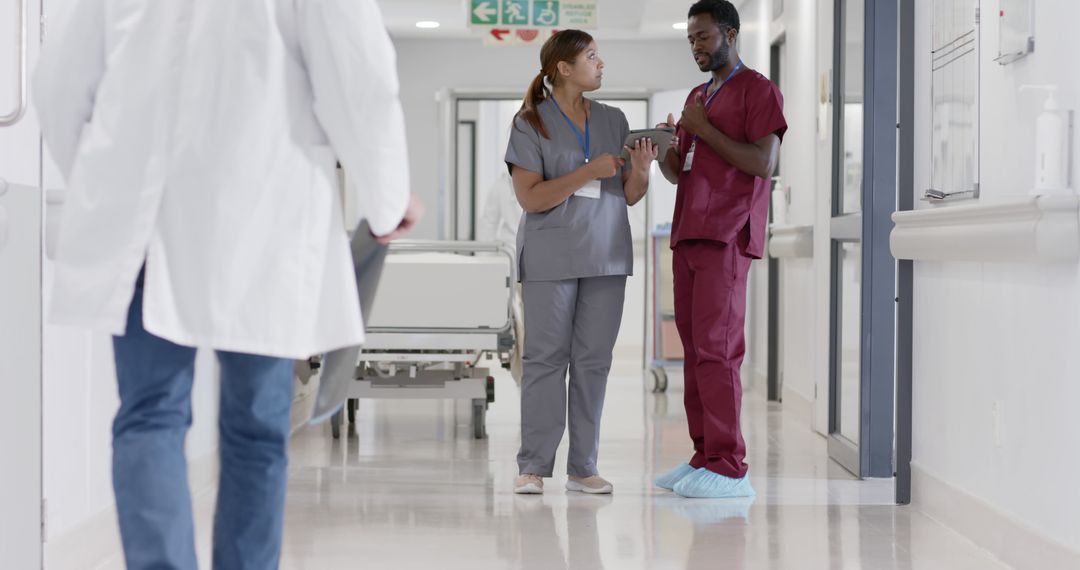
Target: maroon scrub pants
[710,309]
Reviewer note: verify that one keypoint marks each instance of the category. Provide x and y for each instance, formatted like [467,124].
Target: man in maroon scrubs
[726,150]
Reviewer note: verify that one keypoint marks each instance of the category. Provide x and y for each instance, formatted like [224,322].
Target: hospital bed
[441,307]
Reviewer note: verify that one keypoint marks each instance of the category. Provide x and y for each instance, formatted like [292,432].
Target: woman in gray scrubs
[574,253]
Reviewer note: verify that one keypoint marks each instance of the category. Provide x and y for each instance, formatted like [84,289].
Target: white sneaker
[594,485]
[528,484]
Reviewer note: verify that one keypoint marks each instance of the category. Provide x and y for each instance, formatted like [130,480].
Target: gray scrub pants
[570,324]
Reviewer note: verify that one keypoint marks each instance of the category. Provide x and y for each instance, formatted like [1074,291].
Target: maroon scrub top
[715,200]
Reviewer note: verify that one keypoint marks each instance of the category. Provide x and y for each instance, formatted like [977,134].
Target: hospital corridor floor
[408,487]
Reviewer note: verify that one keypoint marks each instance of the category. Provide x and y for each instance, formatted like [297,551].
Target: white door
[20,292]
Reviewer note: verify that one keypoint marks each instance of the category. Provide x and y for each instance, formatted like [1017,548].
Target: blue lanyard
[707,85]
[583,139]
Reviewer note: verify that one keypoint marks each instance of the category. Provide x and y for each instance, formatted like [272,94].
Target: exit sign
[533,14]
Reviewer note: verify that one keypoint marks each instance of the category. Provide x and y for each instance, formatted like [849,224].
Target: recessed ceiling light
[679,25]
[427,25]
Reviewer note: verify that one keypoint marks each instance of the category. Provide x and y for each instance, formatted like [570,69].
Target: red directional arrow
[499,34]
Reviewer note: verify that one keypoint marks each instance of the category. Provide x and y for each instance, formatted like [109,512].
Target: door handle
[21,44]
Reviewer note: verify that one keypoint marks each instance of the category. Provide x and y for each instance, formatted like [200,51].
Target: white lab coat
[201,136]
[502,213]
[499,222]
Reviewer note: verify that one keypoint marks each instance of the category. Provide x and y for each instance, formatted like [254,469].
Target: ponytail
[537,93]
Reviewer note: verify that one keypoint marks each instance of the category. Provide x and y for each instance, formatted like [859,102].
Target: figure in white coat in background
[198,140]
[502,213]
[499,222]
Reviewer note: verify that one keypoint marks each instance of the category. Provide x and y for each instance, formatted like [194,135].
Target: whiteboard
[955,99]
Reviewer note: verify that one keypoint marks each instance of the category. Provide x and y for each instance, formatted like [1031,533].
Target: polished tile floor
[409,488]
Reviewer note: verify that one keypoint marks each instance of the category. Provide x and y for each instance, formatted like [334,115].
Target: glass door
[863,281]
[846,234]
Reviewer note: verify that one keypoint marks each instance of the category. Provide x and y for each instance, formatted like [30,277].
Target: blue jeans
[153,501]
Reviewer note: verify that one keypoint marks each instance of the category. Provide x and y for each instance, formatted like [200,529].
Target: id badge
[590,190]
[689,162]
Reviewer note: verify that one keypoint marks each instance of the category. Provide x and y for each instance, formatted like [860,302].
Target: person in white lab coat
[198,140]
[499,222]
[502,212]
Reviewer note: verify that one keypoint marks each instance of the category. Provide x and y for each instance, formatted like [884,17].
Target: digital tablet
[660,137]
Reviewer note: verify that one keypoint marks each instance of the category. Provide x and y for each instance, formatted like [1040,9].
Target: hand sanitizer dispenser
[1052,145]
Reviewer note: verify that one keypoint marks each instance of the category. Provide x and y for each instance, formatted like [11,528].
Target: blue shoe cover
[704,484]
[669,479]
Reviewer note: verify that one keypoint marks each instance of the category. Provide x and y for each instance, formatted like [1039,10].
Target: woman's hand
[642,154]
[636,179]
[605,166]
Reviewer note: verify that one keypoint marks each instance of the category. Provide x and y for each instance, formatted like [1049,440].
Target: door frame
[455,200]
[905,270]
[874,455]
[774,363]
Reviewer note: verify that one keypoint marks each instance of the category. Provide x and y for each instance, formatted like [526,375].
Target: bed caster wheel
[660,380]
[479,418]
[490,389]
[335,425]
[353,405]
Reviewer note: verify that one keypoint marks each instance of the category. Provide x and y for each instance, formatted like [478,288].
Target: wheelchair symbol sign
[546,13]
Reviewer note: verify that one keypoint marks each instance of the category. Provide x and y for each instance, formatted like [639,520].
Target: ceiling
[619,19]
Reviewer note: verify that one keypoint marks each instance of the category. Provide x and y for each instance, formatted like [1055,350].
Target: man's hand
[671,124]
[413,214]
[694,120]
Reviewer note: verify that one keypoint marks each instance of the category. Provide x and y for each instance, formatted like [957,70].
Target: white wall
[803,300]
[754,42]
[1001,335]
[428,66]
[21,490]
[799,296]
[819,339]
[806,27]
[803,295]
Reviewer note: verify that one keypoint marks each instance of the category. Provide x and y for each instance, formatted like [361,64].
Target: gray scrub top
[581,237]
